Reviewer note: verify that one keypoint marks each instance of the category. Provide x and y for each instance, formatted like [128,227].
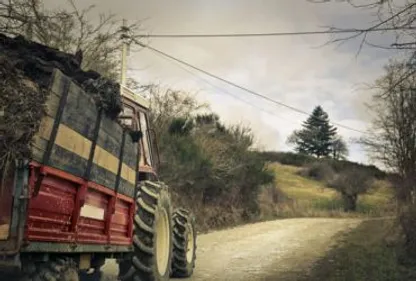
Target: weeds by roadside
[372,251]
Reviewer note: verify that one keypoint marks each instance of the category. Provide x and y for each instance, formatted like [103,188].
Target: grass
[370,252]
[307,197]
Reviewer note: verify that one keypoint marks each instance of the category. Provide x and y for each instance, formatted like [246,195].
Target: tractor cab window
[145,140]
[134,117]
[127,117]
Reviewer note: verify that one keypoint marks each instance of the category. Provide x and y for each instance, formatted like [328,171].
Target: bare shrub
[320,171]
[350,184]
[70,30]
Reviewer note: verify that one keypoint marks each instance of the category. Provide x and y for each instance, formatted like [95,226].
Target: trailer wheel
[184,244]
[152,238]
[53,270]
[96,275]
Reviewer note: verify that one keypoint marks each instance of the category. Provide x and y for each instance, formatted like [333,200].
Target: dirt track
[269,251]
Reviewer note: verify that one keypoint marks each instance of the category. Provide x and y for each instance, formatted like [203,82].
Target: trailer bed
[78,188]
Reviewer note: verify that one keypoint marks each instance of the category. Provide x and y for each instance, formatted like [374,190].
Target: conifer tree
[317,135]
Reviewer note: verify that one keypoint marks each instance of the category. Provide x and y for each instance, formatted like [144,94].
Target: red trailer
[90,192]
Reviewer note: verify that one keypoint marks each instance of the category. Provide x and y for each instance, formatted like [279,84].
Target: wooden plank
[52,104]
[38,149]
[45,127]
[57,82]
[80,112]
[72,141]
[128,173]
[105,160]
[103,177]
[67,161]
[130,152]
[66,138]
[110,135]
[40,139]
[126,188]
[109,143]
[39,142]
[111,127]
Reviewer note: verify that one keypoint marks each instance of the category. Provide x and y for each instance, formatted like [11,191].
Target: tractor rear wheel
[152,238]
[61,269]
[184,244]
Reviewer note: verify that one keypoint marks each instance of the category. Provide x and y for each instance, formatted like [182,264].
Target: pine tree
[317,135]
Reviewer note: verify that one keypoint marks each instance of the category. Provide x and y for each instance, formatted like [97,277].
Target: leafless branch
[69,30]
[400,19]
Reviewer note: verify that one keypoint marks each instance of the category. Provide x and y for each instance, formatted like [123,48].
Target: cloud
[291,70]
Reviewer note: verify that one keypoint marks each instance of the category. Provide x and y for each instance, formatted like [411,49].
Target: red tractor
[90,192]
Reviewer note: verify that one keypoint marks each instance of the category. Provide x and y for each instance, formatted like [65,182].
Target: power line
[276,34]
[374,28]
[223,90]
[241,87]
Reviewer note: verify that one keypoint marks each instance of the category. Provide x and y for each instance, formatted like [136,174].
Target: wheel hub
[162,241]
[190,245]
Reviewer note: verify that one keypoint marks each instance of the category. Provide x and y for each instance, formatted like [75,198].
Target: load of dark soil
[21,110]
[25,73]
[37,62]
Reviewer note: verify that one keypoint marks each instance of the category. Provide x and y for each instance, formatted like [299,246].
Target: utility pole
[124,37]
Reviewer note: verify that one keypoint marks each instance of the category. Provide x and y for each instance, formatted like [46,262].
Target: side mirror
[136,136]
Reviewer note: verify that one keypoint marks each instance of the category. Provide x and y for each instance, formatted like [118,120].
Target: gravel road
[279,250]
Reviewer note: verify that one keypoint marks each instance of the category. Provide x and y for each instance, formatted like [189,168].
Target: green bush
[210,168]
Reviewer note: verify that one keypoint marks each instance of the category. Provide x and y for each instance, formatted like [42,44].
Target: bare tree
[70,31]
[393,139]
[351,183]
[396,18]
[167,104]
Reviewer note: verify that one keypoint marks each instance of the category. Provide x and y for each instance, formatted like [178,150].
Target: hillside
[301,196]
[301,160]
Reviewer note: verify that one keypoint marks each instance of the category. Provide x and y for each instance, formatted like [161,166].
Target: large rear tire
[152,238]
[61,269]
[184,244]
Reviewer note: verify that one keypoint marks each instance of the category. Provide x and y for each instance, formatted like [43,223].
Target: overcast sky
[292,70]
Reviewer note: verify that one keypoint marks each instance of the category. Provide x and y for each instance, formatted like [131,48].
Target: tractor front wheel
[152,239]
[184,244]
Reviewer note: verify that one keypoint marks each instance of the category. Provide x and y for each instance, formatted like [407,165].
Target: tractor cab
[135,115]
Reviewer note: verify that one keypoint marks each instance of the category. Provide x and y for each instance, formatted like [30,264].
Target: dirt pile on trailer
[25,74]
[21,109]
